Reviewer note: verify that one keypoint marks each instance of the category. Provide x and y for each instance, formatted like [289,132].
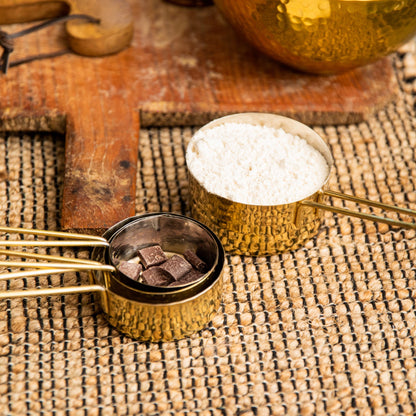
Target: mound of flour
[255,165]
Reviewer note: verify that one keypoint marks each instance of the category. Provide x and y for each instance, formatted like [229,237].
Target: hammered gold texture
[254,229]
[155,322]
[323,36]
[325,329]
[147,315]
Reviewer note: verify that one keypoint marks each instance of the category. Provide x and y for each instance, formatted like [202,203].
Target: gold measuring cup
[140,311]
[267,229]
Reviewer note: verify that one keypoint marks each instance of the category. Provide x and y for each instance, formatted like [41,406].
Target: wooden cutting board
[184,66]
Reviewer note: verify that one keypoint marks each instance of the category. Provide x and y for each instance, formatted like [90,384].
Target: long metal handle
[51,264]
[48,233]
[63,265]
[69,239]
[48,257]
[50,291]
[45,269]
[53,243]
[363,215]
[33,273]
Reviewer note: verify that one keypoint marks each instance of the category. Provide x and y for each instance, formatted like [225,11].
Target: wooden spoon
[112,34]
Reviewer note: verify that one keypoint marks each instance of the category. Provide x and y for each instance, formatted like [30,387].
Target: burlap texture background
[328,329]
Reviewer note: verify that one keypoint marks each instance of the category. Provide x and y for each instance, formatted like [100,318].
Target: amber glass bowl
[323,36]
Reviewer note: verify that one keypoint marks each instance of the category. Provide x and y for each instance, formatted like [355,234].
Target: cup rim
[145,289]
[276,121]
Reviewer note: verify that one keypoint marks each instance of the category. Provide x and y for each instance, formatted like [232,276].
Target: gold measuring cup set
[138,310]
[161,313]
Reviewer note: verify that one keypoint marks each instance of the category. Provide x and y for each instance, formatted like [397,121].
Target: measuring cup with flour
[259,181]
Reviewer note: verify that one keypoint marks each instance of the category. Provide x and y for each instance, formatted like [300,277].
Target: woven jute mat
[328,329]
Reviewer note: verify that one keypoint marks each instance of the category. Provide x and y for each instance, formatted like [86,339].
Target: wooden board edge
[173,115]
[41,120]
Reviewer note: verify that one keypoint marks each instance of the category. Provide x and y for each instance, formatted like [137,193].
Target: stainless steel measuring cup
[267,229]
[141,311]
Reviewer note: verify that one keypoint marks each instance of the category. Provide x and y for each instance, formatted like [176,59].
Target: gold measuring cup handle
[364,201]
[13,253]
[51,264]
[73,239]
[67,265]
[55,266]
[51,291]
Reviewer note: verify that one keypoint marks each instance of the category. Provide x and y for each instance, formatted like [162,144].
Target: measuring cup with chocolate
[157,276]
[163,258]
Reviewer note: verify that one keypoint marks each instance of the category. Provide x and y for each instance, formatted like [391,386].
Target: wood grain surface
[184,66]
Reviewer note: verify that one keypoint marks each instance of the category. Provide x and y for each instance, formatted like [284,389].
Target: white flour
[255,165]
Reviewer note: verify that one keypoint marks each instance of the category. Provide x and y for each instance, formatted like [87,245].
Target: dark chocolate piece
[152,256]
[190,277]
[176,267]
[196,262]
[130,269]
[156,276]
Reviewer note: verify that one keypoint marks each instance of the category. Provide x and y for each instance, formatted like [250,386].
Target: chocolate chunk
[177,283]
[151,256]
[196,262]
[190,277]
[130,269]
[156,276]
[176,267]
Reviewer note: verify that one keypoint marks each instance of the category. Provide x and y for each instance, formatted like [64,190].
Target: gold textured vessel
[161,316]
[144,313]
[249,229]
[255,229]
[323,36]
